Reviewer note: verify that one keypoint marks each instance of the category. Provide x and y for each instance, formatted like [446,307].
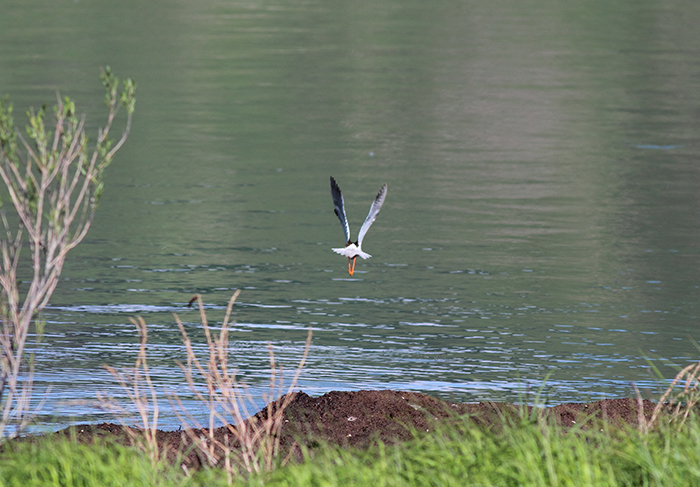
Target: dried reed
[142,396]
[679,403]
[248,444]
[256,438]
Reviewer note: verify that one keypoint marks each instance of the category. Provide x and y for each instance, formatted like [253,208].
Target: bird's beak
[351,270]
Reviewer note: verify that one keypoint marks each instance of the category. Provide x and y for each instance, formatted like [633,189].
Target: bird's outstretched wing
[373,211]
[340,208]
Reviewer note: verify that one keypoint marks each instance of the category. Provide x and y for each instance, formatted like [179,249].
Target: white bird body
[353,250]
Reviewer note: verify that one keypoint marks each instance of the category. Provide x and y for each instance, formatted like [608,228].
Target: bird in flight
[352,250]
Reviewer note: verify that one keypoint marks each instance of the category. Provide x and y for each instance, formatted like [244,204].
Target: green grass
[520,454]
[61,462]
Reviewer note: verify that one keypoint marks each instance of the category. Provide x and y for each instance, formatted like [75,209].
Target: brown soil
[356,419]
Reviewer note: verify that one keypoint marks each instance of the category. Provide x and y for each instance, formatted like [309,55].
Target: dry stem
[249,443]
[146,401]
[678,403]
[257,437]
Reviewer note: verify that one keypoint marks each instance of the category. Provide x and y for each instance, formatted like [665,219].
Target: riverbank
[388,438]
[358,419]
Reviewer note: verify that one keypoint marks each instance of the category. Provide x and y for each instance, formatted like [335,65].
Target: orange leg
[351,270]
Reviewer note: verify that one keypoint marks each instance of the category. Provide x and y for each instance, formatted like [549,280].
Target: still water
[542,162]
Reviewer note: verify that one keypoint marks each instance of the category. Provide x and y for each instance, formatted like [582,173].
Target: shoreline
[358,419]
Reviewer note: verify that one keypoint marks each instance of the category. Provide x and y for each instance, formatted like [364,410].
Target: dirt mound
[357,418]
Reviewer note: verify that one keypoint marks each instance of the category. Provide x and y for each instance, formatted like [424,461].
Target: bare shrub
[54,181]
